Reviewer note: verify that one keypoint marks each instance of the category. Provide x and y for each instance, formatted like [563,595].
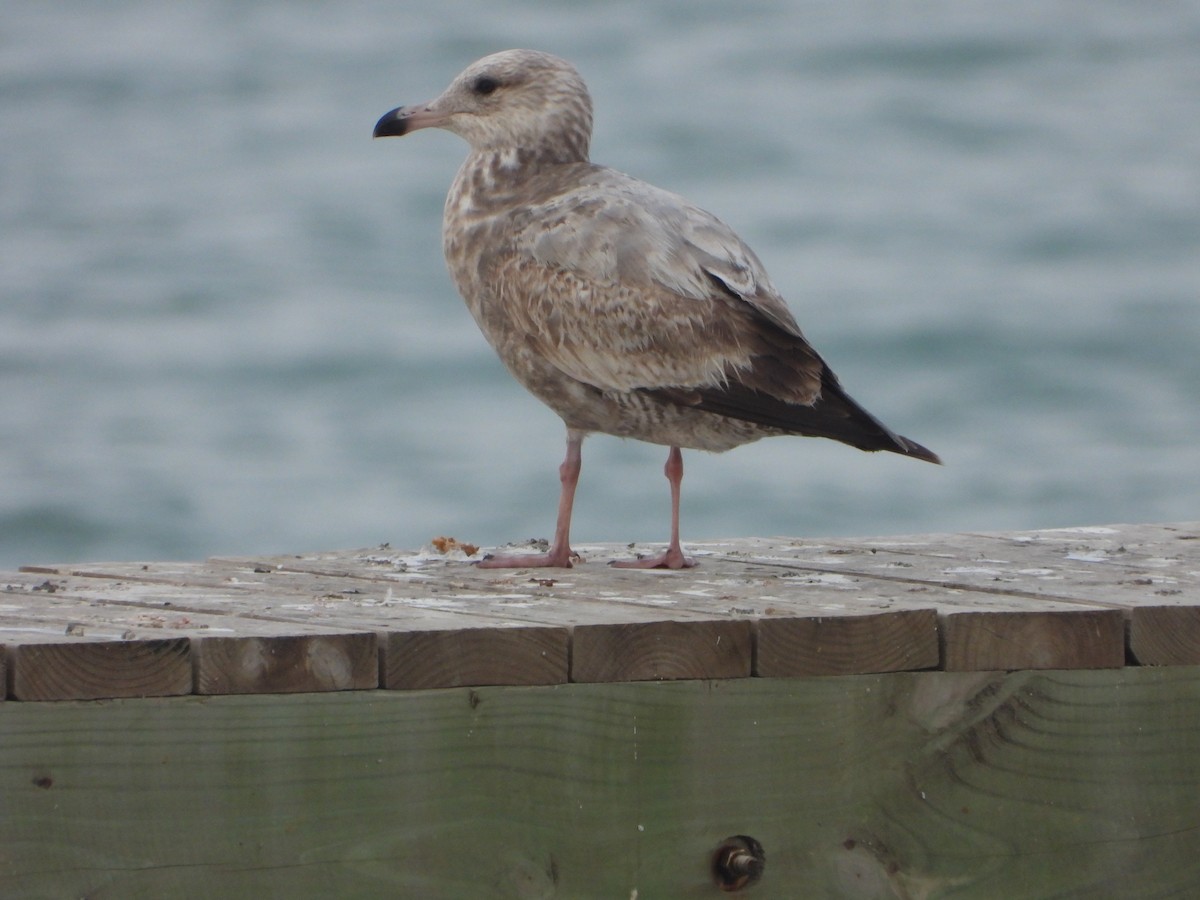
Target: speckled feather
[621,306]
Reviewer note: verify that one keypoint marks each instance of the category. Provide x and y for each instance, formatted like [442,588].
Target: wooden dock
[957,715]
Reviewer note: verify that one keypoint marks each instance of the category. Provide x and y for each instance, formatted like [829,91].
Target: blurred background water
[226,327]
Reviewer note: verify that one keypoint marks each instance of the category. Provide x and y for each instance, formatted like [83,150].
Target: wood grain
[92,670]
[1076,639]
[279,664]
[1004,601]
[661,651]
[904,640]
[934,785]
[415,660]
[1165,635]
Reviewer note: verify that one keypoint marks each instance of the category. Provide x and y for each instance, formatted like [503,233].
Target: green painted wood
[928,784]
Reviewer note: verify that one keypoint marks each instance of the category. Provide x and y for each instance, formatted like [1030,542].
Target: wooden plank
[720,587]
[354,594]
[1165,635]
[935,785]
[230,655]
[903,640]
[1080,639]
[1153,570]
[1027,589]
[83,607]
[602,595]
[475,656]
[453,637]
[63,650]
[286,663]
[1121,566]
[981,626]
[84,669]
[660,651]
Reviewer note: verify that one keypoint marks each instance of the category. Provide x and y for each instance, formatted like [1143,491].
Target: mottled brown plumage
[621,306]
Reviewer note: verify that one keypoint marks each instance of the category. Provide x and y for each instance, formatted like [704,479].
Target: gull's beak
[404,119]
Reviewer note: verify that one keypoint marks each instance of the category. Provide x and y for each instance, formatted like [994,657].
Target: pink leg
[672,557]
[560,553]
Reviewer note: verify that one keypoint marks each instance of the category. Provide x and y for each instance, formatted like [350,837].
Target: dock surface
[952,716]
[1077,598]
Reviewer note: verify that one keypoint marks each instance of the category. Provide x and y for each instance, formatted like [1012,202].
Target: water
[225,325]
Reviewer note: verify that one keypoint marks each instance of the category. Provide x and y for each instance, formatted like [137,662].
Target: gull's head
[516,99]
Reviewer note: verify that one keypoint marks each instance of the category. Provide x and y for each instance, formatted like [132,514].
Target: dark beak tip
[391,124]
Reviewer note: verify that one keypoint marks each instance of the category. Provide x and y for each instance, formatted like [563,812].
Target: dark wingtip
[915,450]
[391,124]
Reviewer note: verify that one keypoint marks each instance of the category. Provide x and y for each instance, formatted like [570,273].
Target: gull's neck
[493,178]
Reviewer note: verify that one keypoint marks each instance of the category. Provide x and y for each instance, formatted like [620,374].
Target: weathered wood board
[599,732]
[1085,598]
[905,785]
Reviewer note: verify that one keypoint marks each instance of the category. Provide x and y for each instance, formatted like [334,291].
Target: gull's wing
[626,287]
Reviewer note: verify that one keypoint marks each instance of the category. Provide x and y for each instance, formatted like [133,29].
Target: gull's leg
[560,553]
[672,557]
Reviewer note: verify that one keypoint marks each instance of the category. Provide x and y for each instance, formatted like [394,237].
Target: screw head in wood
[738,863]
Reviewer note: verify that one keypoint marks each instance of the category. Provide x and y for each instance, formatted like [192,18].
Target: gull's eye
[485,85]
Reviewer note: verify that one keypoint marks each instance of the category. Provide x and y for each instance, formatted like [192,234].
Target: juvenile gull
[621,306]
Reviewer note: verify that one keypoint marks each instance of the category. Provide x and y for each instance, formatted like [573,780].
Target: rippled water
[226,327]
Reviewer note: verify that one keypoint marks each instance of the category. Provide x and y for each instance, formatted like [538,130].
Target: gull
[623,307]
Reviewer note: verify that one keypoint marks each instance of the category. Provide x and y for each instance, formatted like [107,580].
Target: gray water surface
[225,324]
